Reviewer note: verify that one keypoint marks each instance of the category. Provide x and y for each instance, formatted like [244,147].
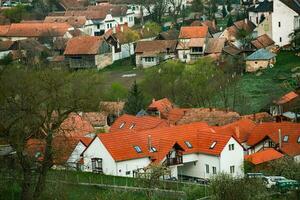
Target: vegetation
[135,100]
[230,21]
[16,14]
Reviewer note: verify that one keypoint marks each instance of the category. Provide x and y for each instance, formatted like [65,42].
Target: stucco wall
[254,65]
[75,155]
[103,60]
[265,27]
[130,165]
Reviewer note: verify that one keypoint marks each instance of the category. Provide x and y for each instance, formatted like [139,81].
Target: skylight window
[298,139]
[132,126]
[285,138]
[188,144]
[153,149]
[213,145]
[122,124]
[137,149]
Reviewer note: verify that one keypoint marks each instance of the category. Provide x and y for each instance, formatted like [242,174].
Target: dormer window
[188,144]
[286,138]
[153,149]
[122,124]
[213,145]
[137,149]
[298,139]
[132,126]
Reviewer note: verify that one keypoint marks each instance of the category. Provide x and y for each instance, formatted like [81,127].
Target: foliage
[116,92]
[229,6]
[135,100]
[195,192]
[225,187]
[229,21]
[6,60]
[295,37]
[197,6]
[16,14]
[153,27]
[224,11]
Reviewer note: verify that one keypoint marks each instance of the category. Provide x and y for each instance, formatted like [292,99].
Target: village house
[151,53]
[276,18]
[104,17]
[191,150]
[214,47]
[192,41]
[137,8]
[35,30]
[283,137]
[262,157]
[286,108]
[263,41]
[6,47]
[211,24]
[171,34]
[88,52]
[121,45]
[260,59]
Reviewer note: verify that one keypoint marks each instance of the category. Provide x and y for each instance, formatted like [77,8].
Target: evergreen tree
[229,6]
[230,21]
[135,100]
[224,12]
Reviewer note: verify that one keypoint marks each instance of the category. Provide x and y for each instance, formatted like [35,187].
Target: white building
[192,149]
[277,18]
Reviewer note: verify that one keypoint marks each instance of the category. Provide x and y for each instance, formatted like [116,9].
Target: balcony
[175,159]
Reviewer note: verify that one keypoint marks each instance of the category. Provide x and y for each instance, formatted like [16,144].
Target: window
[197,49]
[97,165]
[153,149]
[122,124]
[128,172]
[121,19]
[188,144]
[255,62]
[149,59]
[110,25]
[232,169]
[298,139]
[107,25]
[133,8]
[286,138]
[231,147]
[207,168]
[138,149]
[213,145]
[214,169]
[132,126]
[98,26]
[279,24]
[280,39]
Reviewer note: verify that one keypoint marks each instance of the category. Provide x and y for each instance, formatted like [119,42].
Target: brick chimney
[279,138]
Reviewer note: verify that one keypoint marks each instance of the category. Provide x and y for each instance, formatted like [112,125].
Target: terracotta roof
[187,32]
[6,45]
[271,130]
[86,140]
[163,106]
[263,156]
[83,45]
[121,144]
[4,29]
[95,118]
[75,21]
[262,41]
[196,42]
[72,4]
[196,23]
[287,97]
[137,123]
[244,24]
[241,129]
[215,45]
[157,46]
[259,117]
[114,10]
[37,29]
[75,126]
[232,50]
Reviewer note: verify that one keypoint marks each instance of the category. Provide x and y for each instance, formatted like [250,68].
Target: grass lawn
[261,90]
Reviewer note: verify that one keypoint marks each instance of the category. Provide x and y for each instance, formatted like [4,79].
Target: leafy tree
[135,100]
[229,6]
[16,14]
[153,27]
[34,104]
[156,9]
[197,6]
[224,11]
[244,37]
[229,21]
[116,92]
[6,60]
[295,37]
[131,36]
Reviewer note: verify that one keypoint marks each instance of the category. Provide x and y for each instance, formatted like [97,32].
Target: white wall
[130,165]
[232,158]
[75,155]
[285,16]
[4,53]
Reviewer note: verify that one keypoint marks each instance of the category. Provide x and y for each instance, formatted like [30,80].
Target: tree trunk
[26,185]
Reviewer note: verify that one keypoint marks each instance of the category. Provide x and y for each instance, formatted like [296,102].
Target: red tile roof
[287,98]
[75,21]
[241,129]
[121,144]
[4,29]
[137,123]
[83,45]
[271,130]
[187,32]
[37,29]
[263,156]
[86,140]
[262,41]
[156,46]
[163,106]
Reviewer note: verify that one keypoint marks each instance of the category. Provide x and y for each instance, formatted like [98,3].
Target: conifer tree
[135,100]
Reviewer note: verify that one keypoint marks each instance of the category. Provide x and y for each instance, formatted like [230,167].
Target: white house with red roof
[192,149]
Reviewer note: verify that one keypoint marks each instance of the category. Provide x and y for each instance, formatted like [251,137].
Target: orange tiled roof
[137,123]
[163,105]
[75,21]
[121,144]
[287,98]
[37,29]
[83,45]
[4,29]
[241,129]
[271,130]
[264,156]
[187,32]
[86,140]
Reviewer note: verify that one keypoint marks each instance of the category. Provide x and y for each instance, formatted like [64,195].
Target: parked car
[255,175]
[286,185]
[270,181]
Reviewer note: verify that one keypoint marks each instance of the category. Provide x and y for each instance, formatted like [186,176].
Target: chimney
[122,28]
[237,132]
[114,29]
[153,100]
[279,138]
[149,143]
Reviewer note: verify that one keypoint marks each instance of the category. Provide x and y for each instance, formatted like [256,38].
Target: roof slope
[287,97]
[292,4]
[83,45]
[263,156]
[262,41]
[121,144]
[158,46]
[261,54]
[187,32]
[75,21]
[215,45]
[137,123]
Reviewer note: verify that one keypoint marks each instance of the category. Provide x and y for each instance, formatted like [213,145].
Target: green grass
[261,90]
